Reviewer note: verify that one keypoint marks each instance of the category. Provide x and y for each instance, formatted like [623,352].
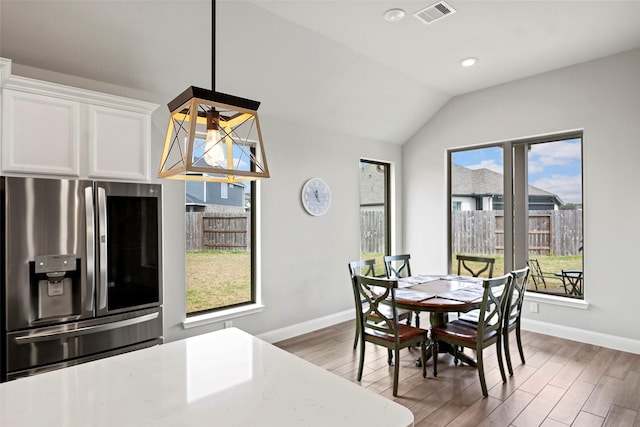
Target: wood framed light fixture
[213,136]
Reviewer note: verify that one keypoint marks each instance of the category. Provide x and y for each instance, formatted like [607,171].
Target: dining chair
[475,265]
[513,312]
[367,268]
[572,282]
[487,332]
[378,327]
[536,275]
[396,267]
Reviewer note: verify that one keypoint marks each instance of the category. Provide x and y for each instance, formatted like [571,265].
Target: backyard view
[217,279]
[546,179]
[218,240]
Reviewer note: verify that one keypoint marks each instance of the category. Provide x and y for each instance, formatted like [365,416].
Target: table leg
[438,319]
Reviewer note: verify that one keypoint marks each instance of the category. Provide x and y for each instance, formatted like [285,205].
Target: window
[374,212]
[220,256]
[532,215]
[456,206]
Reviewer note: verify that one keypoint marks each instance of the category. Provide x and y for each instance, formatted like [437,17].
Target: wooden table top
[441,293]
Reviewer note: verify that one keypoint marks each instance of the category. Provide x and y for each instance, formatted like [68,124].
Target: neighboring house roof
[476,182]
[371,185]
[193,200]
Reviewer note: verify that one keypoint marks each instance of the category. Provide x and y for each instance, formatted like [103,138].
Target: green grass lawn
[217,278]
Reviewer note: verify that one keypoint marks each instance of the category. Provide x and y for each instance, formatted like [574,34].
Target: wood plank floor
[563,383]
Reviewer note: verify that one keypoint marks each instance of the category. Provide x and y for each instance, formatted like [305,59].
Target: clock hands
[315,192]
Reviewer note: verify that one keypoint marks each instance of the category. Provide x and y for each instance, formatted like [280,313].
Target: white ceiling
[334,64]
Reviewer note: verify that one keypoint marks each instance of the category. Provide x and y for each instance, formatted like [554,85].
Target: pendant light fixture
[213,136]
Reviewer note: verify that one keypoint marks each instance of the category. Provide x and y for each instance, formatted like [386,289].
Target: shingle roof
[465,181]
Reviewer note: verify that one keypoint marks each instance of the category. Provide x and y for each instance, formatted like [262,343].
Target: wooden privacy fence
[550,232]
[482,232]
[219,231]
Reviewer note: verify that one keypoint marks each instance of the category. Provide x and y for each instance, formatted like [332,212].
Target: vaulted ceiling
[332,64]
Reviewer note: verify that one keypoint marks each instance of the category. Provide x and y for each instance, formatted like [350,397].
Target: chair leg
[390,357]
[355,341]
[417,319]
[396,372]
[361,365]
[409,318]
[500,364]
[507,352]
[519,341]
[434,354]
[423,356]
[483,382]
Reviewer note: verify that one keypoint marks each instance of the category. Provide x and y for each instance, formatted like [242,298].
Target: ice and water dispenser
[55,287]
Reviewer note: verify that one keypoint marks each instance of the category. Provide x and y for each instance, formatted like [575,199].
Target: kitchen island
[223,378]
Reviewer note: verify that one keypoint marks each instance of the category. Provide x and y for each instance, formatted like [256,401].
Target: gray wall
[603,98]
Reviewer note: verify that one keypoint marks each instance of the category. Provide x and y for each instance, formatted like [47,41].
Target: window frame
[253,305]
[386,201]
[515,198]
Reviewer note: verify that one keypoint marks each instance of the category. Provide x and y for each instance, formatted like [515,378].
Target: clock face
[316,197]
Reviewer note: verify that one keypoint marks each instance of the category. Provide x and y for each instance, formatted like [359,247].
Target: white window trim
[222,315]
[541,298]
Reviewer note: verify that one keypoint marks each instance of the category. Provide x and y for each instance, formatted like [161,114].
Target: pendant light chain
[213,45]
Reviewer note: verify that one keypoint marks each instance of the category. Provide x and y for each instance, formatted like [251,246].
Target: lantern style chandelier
[213,136]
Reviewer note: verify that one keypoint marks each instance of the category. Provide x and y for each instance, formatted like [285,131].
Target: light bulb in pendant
[214,150]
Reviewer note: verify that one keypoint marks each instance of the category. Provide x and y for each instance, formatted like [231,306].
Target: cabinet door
[40,134]
[119,143]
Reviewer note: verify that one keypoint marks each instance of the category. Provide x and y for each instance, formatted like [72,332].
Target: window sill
[221,316]
[556,300]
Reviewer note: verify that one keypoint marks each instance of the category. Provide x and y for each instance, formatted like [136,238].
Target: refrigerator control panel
[49,263]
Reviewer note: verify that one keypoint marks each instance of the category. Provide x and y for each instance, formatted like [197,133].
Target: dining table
[440,295]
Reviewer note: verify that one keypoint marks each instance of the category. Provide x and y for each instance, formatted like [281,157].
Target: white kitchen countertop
[223,378]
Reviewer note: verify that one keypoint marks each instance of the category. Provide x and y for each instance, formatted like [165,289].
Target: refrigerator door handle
[102,236]
[46,336]
[91,245]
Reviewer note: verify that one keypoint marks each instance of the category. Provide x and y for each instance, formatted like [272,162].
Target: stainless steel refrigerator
[81,271]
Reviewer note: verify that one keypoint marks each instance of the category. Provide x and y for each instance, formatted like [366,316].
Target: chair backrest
[373,293]
[496,293]
[475,265]
[536,273]
[363,268]
[397,266]
[513,304]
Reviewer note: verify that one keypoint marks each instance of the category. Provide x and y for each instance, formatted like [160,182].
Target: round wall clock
[316,197]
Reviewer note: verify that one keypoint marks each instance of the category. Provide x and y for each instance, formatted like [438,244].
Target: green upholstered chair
[475,265]
[487,332]
[367,268]
[378,327]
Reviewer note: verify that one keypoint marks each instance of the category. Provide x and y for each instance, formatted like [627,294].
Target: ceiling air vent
[434,12]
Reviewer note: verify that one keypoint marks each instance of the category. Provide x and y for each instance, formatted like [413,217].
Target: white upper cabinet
[40,134]
[119,143]
[52,129]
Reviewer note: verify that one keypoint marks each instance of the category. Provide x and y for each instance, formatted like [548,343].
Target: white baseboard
[306,327]
[582,335]
[566,332]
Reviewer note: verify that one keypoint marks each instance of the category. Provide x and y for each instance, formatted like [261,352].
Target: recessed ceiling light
[469,62]
[394,15]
